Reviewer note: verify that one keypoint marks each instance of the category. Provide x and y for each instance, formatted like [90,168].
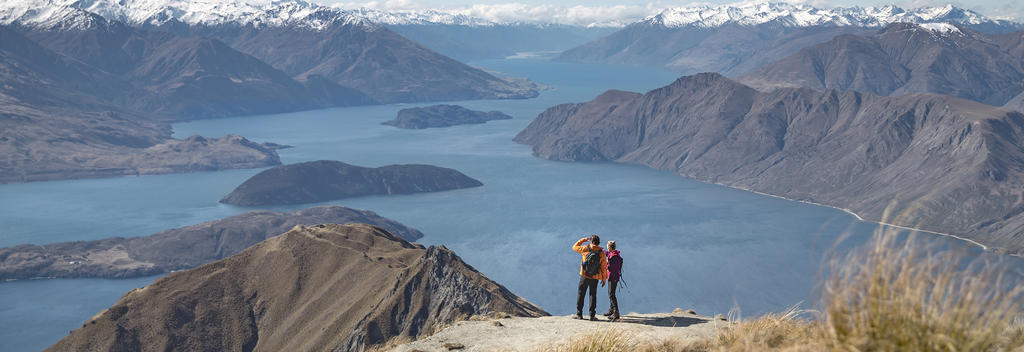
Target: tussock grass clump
[607,340]
[773,331]
[894,295]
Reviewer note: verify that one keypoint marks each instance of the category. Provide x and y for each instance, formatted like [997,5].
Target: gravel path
[533,334]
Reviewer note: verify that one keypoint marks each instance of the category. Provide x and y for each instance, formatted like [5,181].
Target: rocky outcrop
[322,288]
[934,162]
[175,249]
[325,180]
[906,58]
[442,116]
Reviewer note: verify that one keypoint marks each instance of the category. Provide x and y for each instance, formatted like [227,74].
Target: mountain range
[106,86]
[325,287]
[735,39]
[58,119]
[928,161]
[905,58]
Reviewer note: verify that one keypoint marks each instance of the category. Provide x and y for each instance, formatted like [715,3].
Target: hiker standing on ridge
[593,268]
[614,274]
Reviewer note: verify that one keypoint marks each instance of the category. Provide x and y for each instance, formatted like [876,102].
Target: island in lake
[326,180]
[442,116]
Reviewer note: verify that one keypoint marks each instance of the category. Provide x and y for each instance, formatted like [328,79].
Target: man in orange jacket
[590,281]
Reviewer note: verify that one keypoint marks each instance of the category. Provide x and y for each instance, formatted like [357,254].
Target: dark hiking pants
[613,302]
[585,284]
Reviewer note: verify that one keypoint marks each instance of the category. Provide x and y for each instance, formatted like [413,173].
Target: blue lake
[686,244]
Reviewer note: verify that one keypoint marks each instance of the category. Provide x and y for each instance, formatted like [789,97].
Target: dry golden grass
[896,296]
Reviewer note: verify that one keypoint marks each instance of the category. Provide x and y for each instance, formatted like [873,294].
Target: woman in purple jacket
[614,274]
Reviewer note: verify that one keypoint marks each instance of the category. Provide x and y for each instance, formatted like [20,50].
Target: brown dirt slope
[314,288]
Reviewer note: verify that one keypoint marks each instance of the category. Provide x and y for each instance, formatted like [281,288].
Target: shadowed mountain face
[907,58]
[943,164]
[372,59]
[325,180]
[175,249]
[442,116]
[325,287]
[57,121]
[184,78]
[730,49]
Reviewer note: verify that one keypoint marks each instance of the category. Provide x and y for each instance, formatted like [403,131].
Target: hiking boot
[578,316]
[609,313]
[614,317]
[593,318]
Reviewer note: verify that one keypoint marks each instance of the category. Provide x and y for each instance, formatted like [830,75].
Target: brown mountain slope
[175,249]
[906,58]
[56,124]
[371,58]
[954,165]
[318,288]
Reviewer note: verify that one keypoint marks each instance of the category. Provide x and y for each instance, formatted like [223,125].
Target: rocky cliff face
[174,249]
[442,116]
[940,163]
[907,58]
[325,180]
[327,287]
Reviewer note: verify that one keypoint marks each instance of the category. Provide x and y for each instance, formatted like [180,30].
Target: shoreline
[855,215]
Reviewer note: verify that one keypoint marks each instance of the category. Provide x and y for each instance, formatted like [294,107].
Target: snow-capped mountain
[292,13]
[800,15]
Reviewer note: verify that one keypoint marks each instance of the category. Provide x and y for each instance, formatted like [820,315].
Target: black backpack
[592,265]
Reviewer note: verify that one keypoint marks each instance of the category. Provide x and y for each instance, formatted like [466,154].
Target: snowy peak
[291,13]
[942,28]
[799,15]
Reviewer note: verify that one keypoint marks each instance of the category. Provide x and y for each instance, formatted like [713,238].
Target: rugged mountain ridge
[57,122]
[928,161]
[308,42]
[326,180]
[174,249]
[325,287]
[907,58]
[735,39]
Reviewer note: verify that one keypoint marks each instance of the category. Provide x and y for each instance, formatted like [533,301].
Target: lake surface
[685,243]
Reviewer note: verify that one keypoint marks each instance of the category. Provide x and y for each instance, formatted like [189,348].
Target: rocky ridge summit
[933,162]
[735,39]
[326,180]
[907,58]
[442,116]
[323,288]
[175,249]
